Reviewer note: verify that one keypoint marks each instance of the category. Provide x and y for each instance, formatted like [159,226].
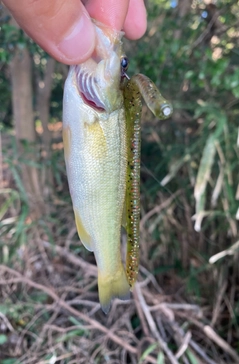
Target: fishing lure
[134,89]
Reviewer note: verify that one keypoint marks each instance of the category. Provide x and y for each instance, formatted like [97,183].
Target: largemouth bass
[97,134]
[94,136]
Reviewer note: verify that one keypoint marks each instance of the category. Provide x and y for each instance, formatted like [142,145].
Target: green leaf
[71,334]
[4,309]
[10,361]
[160,358]
[189,74]
[205,167]
[192,358]
[3,339]
[13,195]
[147,352]
[235,91]
[19,182]
[75,321]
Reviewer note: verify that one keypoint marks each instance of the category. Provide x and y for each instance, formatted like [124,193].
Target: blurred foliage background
[189,195]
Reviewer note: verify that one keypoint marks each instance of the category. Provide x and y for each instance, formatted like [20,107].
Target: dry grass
[50,314]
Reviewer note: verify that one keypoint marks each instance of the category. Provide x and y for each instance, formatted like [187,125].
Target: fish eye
[124,63]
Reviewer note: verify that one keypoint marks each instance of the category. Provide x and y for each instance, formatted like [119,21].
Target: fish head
[98,79]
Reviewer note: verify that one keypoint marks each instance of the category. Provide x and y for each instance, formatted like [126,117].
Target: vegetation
[184,308]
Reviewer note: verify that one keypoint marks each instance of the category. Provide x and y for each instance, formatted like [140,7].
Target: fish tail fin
[115,286]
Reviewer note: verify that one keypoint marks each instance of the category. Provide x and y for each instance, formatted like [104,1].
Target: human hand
[64,29]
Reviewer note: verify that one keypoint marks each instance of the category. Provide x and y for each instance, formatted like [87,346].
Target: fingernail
[79,43]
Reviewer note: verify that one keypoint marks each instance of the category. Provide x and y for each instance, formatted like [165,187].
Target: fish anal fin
[83,234]
[112,286]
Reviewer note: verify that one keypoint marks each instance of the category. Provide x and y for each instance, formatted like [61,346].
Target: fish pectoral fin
[83,234]
[112,286]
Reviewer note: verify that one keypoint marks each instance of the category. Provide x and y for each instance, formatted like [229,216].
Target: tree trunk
[21,72]
[43,107]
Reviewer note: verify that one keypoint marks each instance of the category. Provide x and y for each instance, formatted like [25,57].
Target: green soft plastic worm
[135,88]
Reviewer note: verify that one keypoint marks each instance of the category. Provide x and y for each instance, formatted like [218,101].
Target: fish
[100,123]
[94,138]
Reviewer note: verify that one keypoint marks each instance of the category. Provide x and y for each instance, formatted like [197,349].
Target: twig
[89,268]
[212,335]
[220,297]
[153,327]
[200,352]
[157,209]
[140,313]
[177,306]
[26,330]
[7,323]
[192,343]
[77,301]
[183,347]
[64,330]
[55,359]
[152,279]
[37,344]
[230,251]
[220,342]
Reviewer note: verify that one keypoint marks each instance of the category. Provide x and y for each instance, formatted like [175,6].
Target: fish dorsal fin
[83,234]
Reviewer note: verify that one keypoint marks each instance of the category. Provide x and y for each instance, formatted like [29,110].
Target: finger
[129,15]
[110,12]
[136,20]
[62,28]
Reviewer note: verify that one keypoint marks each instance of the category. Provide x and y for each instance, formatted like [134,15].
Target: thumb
[62,28]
